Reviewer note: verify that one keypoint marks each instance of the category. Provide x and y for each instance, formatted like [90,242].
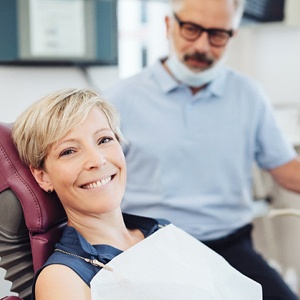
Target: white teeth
[97,184]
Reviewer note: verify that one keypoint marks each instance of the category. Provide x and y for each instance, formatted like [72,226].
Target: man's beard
[200,57]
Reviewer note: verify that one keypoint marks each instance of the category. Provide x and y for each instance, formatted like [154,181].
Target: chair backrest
[31,220]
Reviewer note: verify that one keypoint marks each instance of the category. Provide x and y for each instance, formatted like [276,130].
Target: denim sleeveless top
[73,242]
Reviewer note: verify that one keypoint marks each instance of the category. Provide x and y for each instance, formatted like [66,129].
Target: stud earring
[49,191]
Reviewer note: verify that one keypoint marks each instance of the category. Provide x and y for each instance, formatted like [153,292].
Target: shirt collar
[164,80]
[167,83]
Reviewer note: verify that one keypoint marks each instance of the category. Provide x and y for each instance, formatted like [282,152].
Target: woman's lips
[98,183]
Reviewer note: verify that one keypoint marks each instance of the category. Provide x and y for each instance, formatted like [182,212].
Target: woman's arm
[59,282]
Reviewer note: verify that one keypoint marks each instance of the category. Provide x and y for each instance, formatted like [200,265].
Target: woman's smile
[98,183]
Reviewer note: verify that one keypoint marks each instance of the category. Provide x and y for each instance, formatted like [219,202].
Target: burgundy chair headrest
[41,210]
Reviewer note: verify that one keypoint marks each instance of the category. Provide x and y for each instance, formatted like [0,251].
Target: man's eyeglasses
[190,32]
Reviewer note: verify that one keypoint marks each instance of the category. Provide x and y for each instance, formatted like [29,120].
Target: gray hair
[176,5]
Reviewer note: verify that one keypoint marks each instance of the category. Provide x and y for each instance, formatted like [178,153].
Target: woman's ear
[42,179]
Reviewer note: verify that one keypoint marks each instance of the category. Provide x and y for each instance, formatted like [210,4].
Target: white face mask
[193,79]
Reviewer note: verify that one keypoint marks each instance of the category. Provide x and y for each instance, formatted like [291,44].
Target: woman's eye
[105,139]
[67,152]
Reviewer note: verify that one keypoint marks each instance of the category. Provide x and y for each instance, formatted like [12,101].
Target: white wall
[271,54]
[20,86]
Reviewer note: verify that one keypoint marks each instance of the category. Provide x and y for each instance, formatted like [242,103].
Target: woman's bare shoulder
[60,282]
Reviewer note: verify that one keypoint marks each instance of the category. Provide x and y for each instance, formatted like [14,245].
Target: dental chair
[31,221]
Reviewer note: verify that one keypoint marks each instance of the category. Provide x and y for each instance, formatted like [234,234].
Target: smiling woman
[71,142]
[84,165]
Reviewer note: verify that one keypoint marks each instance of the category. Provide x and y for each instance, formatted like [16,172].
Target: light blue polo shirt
[190,157]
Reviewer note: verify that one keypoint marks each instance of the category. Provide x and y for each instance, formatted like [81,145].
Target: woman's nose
[95,158]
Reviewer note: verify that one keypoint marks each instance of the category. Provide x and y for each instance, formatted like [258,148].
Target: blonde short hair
[51,118]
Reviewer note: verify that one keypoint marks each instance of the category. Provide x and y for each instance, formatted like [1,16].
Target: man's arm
[288,175]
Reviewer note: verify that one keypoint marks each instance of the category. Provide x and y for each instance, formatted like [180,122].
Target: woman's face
[86,168]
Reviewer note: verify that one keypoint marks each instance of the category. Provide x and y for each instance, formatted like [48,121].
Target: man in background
[194,128]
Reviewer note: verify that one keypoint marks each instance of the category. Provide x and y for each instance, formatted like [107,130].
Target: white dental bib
[171,265]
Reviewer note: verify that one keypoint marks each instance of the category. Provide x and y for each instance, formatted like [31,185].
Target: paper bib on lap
[168,265]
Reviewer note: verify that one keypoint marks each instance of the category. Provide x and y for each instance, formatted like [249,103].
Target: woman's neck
[108,229]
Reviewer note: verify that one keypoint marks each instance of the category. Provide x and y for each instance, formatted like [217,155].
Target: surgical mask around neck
[186,76]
